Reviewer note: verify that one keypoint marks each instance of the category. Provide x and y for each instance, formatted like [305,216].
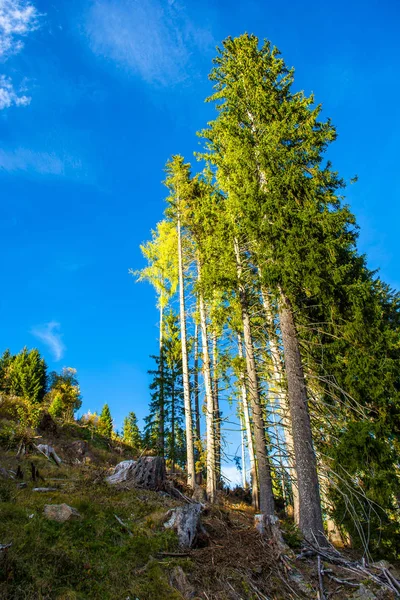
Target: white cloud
[43,163]
[8,95]
[17,19]
[152,38]
[49,334]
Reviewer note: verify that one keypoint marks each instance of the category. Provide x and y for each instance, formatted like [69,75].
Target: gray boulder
[60,512]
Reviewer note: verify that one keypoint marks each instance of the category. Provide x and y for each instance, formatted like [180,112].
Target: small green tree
[105,425]
[131,432]
[25,375]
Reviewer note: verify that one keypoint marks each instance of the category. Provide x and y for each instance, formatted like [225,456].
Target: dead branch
[120,521]
[320,579]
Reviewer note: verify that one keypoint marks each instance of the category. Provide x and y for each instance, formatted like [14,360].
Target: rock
[22,485]
[49,452]
[148,472]
[45,489]
[60,512]
[185,520]
[199,494]
[179,581]
[363,593]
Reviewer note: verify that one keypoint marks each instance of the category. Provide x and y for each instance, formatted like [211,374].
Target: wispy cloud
[49,334]
[43,163]
[8,95]
[17,19]
[152,38]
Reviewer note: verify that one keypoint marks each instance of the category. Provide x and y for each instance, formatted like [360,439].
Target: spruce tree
[131,432]
[172,387]
[27,375]
[105,424]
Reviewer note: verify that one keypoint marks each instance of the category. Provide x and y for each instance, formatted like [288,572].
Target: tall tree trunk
[243,442]
[196,381]
[217,414]
[185,368]
[210,430]
[280,396]
[196,396]
[310,514]
[264,470]
[161,426]
[172,456]
[249,435]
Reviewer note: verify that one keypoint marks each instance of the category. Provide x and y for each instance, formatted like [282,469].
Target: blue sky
[94,98]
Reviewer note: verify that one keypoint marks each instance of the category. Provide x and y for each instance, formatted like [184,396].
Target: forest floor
[97,557]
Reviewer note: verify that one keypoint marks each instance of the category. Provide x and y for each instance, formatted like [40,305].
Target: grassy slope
[96,558]
[93,557]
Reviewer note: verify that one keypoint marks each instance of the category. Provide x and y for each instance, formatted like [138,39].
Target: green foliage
[56,407]
[161,254]
[64,397]
[131,432]
[105,424]
[24,375]
[282,202]
[167,387]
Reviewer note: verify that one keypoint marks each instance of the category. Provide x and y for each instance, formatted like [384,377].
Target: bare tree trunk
[161,426]
[249,434]
[185,368]
[280,396]
[196,396]
[217,414]
[310,514]
[264,470]
[244,473]
[210,430]
[173,426]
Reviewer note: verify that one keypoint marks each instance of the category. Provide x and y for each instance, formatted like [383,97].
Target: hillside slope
[118,547]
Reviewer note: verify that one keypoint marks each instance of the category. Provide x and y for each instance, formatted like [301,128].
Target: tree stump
[148,472]
[185,520]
